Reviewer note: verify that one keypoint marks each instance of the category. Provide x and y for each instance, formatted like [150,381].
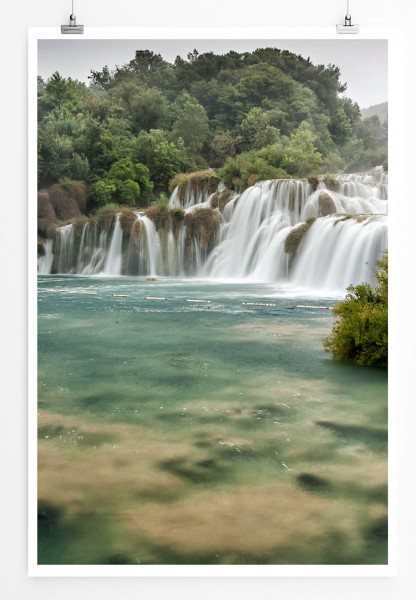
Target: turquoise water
[213,432]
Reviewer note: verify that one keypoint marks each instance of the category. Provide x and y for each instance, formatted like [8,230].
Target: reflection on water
[177,432]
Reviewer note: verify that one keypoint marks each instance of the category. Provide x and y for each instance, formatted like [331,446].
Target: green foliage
[256,130]
[254,115]
[250,167]
[191,122]
[101,192]
[301,156]
[359,333]
[128,192]
[223,145]
[108,209]
[124,183]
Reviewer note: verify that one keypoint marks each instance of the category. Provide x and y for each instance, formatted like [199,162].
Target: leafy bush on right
[360,333]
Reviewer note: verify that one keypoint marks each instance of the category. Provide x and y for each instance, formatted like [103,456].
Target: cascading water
[45,262]
[334,252]
[113,261]
[340,251]
[253,238]
[191,197]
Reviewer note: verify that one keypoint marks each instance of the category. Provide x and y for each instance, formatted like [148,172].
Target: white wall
[16,18]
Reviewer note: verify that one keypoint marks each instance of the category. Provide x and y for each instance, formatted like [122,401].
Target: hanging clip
[348,27]
[72,27]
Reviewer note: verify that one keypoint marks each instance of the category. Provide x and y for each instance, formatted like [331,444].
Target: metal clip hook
[72,27]
[348,27]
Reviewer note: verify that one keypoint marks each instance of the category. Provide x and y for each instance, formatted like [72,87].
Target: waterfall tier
[340,229]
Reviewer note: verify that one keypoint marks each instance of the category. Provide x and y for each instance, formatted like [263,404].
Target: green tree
[256,129]
[146,107]
[301,157]
[223,145]
[101,192]
[191,122]
[340,127]
[360,332]
[128,192]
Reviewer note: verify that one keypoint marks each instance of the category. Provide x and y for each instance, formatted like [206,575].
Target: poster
[202,206]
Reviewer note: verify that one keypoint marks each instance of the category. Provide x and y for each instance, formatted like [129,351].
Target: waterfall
[341,234]
[339,251]
[112,264]
[150,249]
[65,249]
[252,240]
[45,262]
[192,195]
[93,250]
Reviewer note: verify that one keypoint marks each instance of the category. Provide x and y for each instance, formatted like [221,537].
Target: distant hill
[381,110]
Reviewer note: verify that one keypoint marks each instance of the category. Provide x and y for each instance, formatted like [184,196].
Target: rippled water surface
[215,432]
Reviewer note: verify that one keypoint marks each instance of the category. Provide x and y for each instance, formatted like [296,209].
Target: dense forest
[252,116]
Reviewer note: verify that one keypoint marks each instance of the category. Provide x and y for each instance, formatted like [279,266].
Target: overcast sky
[363,63]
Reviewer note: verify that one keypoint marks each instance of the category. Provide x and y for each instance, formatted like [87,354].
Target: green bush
[359,333]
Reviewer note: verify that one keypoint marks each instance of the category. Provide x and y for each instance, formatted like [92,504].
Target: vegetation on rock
[296,236]
[360,332]
[206,180]
[203,224]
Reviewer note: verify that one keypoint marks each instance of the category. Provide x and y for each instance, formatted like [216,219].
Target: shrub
[360,331]
[250,167]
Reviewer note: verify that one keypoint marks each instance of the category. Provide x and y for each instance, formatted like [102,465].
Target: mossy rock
[127,219]
[46,228]
[105,220]
[198,180]
[41,247]
[79,225]
[331,183]
[221,199]
[296,236]
[45,208]
[160,215]
[63,201]
[326,205]
[314,182]
[79,189]
[357,218]
[203,224]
